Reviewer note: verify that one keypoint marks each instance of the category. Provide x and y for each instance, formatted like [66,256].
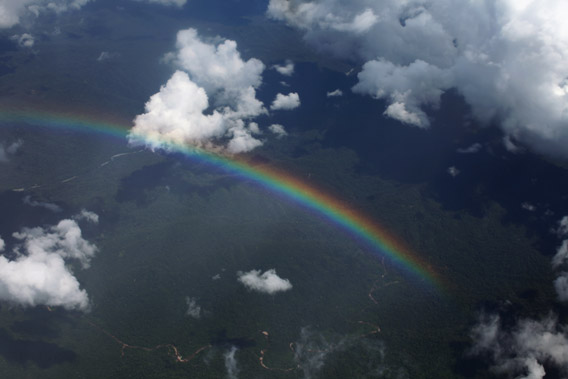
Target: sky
[507,60]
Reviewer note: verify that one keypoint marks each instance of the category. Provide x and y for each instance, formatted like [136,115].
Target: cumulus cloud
[23,40]
[524,350]
[41,204]
[87,216]
[180,112]
[231,363]
[2,245]
[286,69]
[562,230]
[268,282]
[335,93]
[11,11]
[406,88]
[508,58]
[38,273]
[286,102]
[278,130]
[193,309]
[6,151]
[314,15]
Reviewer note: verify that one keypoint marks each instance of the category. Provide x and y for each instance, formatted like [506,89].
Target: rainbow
[364,229]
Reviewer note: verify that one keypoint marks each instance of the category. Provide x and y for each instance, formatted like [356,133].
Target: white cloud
[11,11]
[231,363]
[335,93]
[286,102]
[313,15]
[561,256]
[175,3]
[7,151]
[193,309]
[42,204]
[268,282]
[524,349]
[453,171]
[278,130]
[176,114]
[38,275]
[23,40]
[508,58]
[105,56]
[562,230]
[2,245]
[475,148]
[286,69]
[242,139]
[87,216]
[528,206]
[407,88]
[561,286]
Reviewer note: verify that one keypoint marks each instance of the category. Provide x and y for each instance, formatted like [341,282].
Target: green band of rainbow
[351,220]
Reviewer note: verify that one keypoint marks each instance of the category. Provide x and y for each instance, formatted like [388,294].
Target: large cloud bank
[210,75]
[508,58]
[268,282]
[524,350]
[38,273]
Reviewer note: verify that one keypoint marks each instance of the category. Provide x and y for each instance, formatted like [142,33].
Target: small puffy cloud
[6,151]
[524,349]
[11,11]
[278,130]
[475,148]
[193,309]
[39,275]
[242,139]
[453,171]
[211,74]
[286,69]
[335,93]
[528,206]
[41,204]
[23,40]
[87,216]
[2,245]
[231,363]
[286,102]
[268,282]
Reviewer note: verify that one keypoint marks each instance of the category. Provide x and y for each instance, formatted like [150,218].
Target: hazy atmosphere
[283,189]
